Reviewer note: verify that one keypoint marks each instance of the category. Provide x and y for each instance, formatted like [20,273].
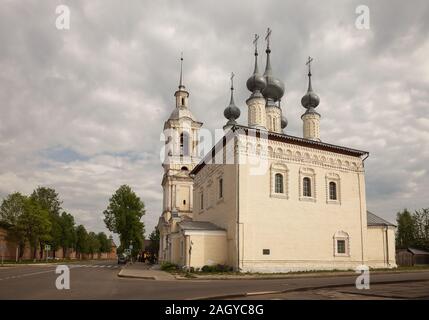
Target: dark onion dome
[284,122]
[275,87]
[232,112]
[310,100]
[256,83]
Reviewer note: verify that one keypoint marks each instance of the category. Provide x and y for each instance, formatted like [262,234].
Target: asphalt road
[99,280]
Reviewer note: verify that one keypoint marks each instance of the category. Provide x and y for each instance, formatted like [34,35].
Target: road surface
[99,280]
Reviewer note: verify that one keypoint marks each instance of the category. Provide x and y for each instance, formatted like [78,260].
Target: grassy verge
[196,274]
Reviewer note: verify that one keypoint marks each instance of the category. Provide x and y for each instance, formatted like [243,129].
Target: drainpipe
[387,247]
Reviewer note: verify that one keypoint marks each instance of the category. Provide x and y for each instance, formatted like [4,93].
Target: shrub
[168,266]
[216,268]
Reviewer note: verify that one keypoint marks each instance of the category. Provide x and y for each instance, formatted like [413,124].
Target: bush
[168,266]
[216,268]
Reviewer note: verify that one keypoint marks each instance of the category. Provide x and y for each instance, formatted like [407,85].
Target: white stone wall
[381,249]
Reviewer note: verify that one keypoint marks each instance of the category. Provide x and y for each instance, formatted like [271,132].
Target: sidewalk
[291,275]
[143,271]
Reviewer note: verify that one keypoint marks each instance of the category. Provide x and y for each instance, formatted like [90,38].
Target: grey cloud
[82,110]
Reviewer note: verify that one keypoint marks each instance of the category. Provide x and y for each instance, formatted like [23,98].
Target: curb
[294,276]
[247,294]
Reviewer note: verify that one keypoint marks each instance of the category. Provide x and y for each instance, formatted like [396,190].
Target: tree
[93,244]
[154,245]
[105,243]
[123,216]
[421,228]
[81,241]
[68,232]
[48,200]
[34,224]
[11,209]
[405,236]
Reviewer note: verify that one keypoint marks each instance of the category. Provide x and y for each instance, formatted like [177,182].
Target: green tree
[68,232]
[81,241]
[93,244]
[105,243]
[49,200]
[405,236]
[34,224]
[11,209]
[421,228]
[154,245]
[123,216]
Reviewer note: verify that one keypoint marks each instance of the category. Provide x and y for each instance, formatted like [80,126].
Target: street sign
[131,247]
[47,247]
[127,251]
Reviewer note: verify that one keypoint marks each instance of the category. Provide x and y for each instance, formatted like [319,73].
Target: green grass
[195,274]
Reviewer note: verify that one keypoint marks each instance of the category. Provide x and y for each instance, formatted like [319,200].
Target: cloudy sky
[81,110]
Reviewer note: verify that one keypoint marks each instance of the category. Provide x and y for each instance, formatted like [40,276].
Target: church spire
[181,86]
[181,94]
[232,112]
[275,87]
[256,83]
[310,118]
[310,100]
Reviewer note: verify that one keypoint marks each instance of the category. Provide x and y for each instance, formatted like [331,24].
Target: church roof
[308,143]
[373,220]
[198,225]
[240,129]
[181,112]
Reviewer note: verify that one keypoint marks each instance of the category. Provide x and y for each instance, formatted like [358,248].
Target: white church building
[262,200]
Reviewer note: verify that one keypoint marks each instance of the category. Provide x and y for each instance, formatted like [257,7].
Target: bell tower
[181,132]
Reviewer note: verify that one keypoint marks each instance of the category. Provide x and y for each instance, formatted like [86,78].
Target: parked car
[122,259]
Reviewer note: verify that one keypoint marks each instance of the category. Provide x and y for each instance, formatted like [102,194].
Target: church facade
[262,200]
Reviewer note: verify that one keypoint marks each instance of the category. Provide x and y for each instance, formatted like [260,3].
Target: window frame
[220,189]
[332,177]
[311,175]
[282,169]
[342,236]
[306,187]
[333,194]
[278,183]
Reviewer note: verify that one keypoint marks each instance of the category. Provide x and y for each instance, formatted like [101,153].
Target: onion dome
[256,83]
[232,112]
[284,122]
[310,100]
[275,87]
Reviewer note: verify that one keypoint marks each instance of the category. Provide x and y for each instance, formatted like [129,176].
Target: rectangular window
[220,188]
[201,201]
[265,252]
[341,246]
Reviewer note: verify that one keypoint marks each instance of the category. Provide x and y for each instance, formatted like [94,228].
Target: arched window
[306,187]
[332,191]
[184,144]
[278,182]
[220,188]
